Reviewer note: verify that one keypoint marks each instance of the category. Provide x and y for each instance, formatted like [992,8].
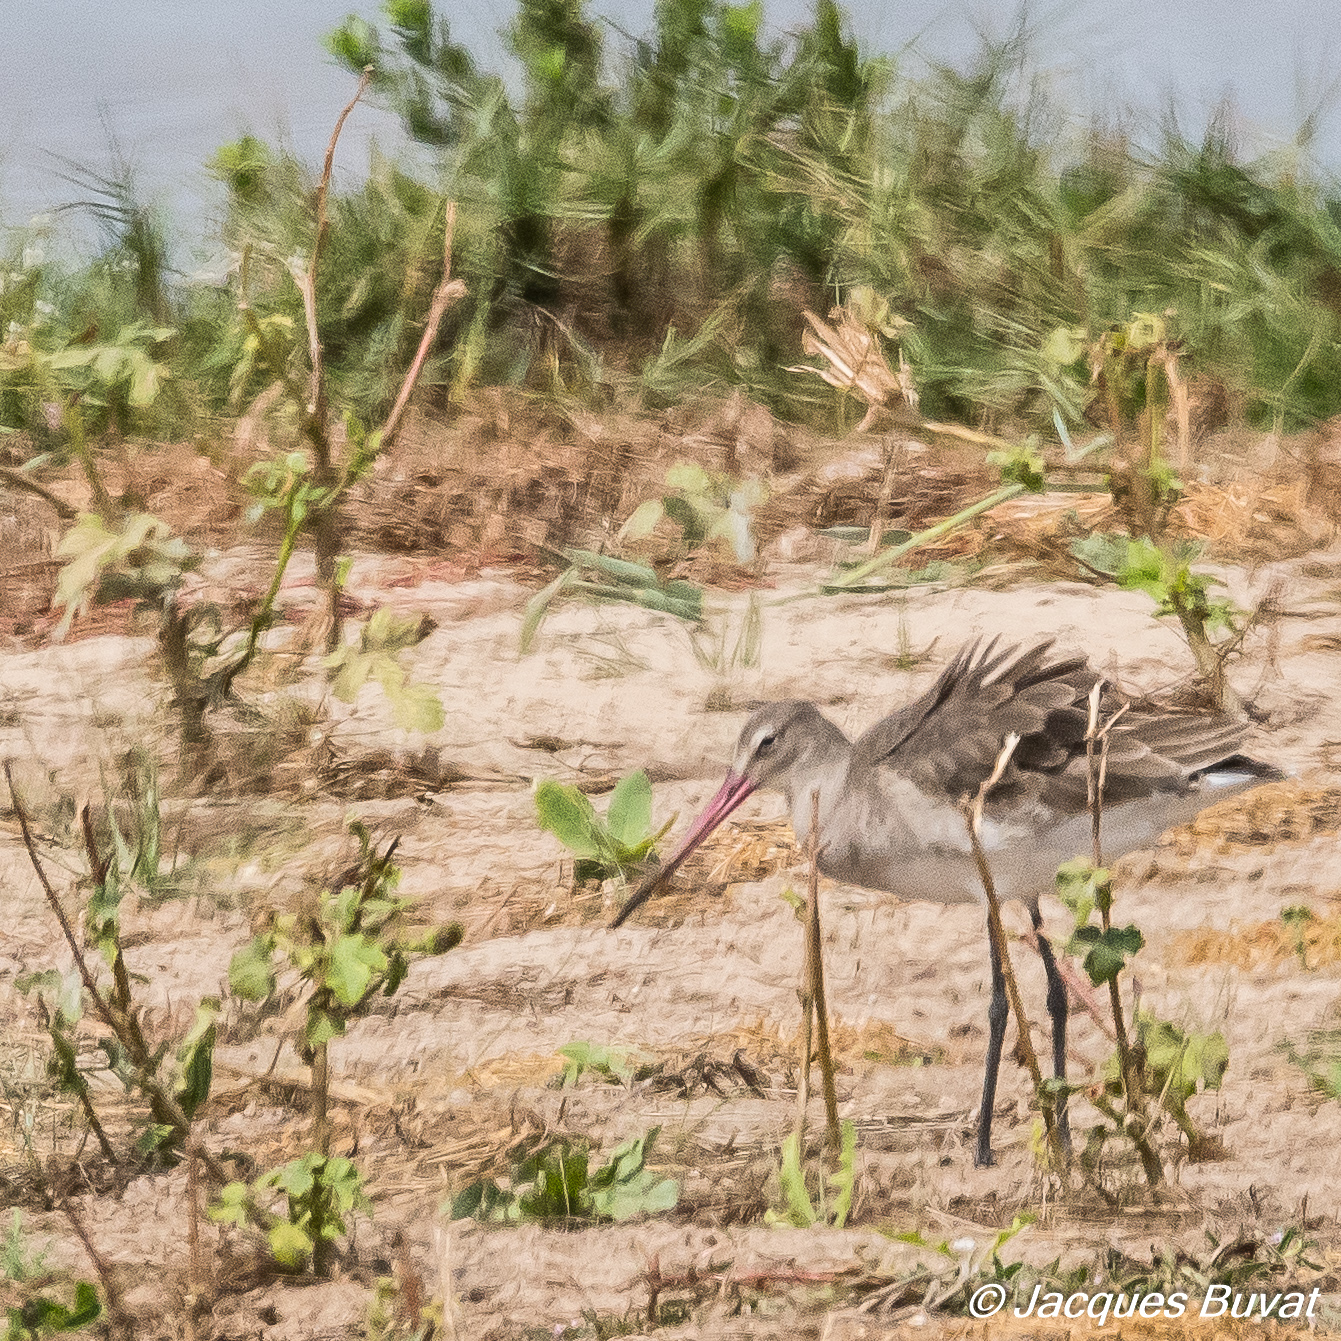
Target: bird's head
[778,738]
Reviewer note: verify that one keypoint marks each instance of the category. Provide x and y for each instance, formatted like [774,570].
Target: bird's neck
[822,769]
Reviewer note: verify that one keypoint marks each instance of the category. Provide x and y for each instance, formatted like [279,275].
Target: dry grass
[1315,941]
[1276,812]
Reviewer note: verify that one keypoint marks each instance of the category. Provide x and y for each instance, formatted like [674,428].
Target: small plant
[352,947]
[554,1183]
[320,1192]
[1164,572]
[1165,1062]
[603,849]
[1134,368]
[720,646]
[1297,920]
[1021,472]
[173,1099]
[415,707]
[706,508]
[1177,1065]
[614,580]
[835,1203]
[16,1262]
[1319,1059]
[41,1316]
[619,1066]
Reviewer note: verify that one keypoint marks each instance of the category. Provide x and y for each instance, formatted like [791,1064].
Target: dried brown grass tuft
[1276,812]
[1314,941]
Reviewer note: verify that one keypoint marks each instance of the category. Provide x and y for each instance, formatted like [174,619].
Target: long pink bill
[729,795]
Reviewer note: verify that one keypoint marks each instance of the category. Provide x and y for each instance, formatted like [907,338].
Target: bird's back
[898,821]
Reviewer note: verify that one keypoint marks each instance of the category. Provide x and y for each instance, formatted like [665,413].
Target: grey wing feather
[947,742]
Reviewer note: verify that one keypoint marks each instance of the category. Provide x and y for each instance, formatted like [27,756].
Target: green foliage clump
[835,1204]
[556,1183]
[320,1192]
[354,946]
[603,848]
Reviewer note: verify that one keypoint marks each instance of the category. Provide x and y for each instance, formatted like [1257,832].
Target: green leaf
[538,607]
[321,1027]
[630,814]
[1023,465]
[1106,952]
[1181,1062]
[196,1058]
[232,1207]
[800,1210]
[355,962]
[1065,345]
[689,477]
[612,1062]
[251,972]
[643,520]
[390,631]
[632,574]
[291,1245]
[844,1181]
[568,815]
[1082,886]
[417,707]
[351,671]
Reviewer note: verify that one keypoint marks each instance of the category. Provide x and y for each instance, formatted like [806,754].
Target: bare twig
[120,1022]
[321,1124]
[973,809]
[449,290]
[724,1278]
[324,523]
[1135,1124]
[307,284]
[122,1326]
[16,479]
[815,981]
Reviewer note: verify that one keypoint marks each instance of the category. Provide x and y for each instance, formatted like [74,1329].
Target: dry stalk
[16,479]
[815,980]
[894,455]
[409,1284]
[442,1242]
[1136,1124]
[321,1123]
[973,809]
[120,1324]
[121,1022]
[324,523]
[447,292]
[201,1279]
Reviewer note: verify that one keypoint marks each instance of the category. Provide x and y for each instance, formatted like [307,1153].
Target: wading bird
[891,802]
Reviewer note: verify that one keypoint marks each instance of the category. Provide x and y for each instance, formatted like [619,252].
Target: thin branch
[1136,1125]
[164,1103]
[815,981]
[973,814]
[16,479]
[121,1324]
[307,280]
[449,290]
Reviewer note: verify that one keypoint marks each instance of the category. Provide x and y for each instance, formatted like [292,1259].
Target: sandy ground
[468,1044]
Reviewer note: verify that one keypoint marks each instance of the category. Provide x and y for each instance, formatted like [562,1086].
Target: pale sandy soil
[468,1042]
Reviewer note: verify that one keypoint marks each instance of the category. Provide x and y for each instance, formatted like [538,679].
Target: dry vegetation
[617,290]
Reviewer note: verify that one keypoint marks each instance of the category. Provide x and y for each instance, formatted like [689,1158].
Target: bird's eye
[765,743]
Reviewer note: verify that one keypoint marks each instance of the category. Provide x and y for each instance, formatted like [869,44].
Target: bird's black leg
[1057,1009]
[996,1035]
